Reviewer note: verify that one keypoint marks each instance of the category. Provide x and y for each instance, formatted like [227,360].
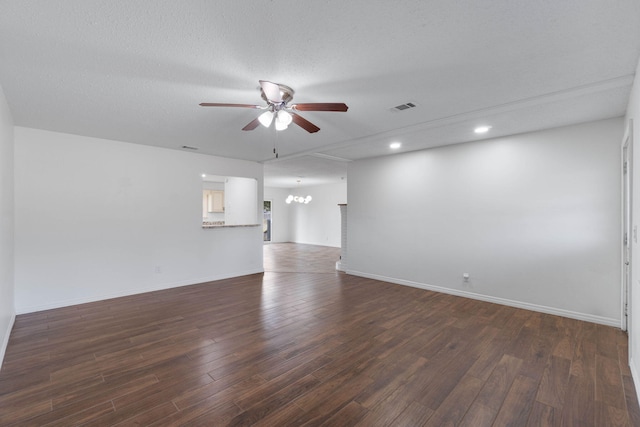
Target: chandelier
[298,199]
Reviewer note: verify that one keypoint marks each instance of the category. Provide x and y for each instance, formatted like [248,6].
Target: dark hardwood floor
[304,345]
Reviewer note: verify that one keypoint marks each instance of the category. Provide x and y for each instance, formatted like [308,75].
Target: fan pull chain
[275,142]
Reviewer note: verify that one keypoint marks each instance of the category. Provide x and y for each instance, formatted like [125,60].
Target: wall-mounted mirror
[229,201]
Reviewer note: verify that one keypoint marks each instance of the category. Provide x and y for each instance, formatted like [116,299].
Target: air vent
[403,107]
[186,147]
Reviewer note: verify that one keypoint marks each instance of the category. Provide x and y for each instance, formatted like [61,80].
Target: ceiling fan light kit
[283,120]
[278,97]
[266,118]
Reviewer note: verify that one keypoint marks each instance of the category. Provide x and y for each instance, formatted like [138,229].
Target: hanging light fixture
[298,199]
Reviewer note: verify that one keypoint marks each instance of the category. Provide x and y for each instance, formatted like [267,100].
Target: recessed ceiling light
[482,129]
[204,175]
[395,145]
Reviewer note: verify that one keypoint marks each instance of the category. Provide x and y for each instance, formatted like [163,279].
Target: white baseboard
[5,341]
[503,301]
[132,291]
[635,377]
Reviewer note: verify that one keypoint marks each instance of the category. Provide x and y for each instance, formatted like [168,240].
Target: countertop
[221,224]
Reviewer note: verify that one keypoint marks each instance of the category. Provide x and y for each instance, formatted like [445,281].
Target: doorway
[266,220]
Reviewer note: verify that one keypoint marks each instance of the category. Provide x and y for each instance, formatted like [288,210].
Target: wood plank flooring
[305,345]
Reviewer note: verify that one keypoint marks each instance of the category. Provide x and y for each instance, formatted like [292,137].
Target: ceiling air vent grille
[403,107]
[187,147]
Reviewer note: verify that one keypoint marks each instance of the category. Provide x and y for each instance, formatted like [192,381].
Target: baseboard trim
[5,341]
[487,298]
[635,377]
[128,292]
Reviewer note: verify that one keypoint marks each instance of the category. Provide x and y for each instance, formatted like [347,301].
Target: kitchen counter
[221,224]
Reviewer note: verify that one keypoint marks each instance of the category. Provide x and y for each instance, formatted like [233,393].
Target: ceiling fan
[278,97]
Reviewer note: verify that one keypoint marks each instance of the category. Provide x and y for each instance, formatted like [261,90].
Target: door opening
[266,220]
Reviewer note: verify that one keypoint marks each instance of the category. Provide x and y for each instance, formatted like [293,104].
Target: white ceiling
[136,71]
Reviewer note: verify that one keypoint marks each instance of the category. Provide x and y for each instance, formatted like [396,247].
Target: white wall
[7,312]
[534,219]
[239,206]
[98,219]
[318,223]
[633,113]
[280,222]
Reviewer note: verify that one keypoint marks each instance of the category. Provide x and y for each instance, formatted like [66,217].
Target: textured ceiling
[136,71]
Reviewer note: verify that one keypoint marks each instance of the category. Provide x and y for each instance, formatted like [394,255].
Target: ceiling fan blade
[321,106]
[217,104]
[304,123]
[252,124]
[271,91]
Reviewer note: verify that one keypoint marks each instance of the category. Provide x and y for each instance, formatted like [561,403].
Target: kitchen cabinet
[212,202]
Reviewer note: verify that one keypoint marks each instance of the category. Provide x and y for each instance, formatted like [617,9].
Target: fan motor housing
[287,94]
